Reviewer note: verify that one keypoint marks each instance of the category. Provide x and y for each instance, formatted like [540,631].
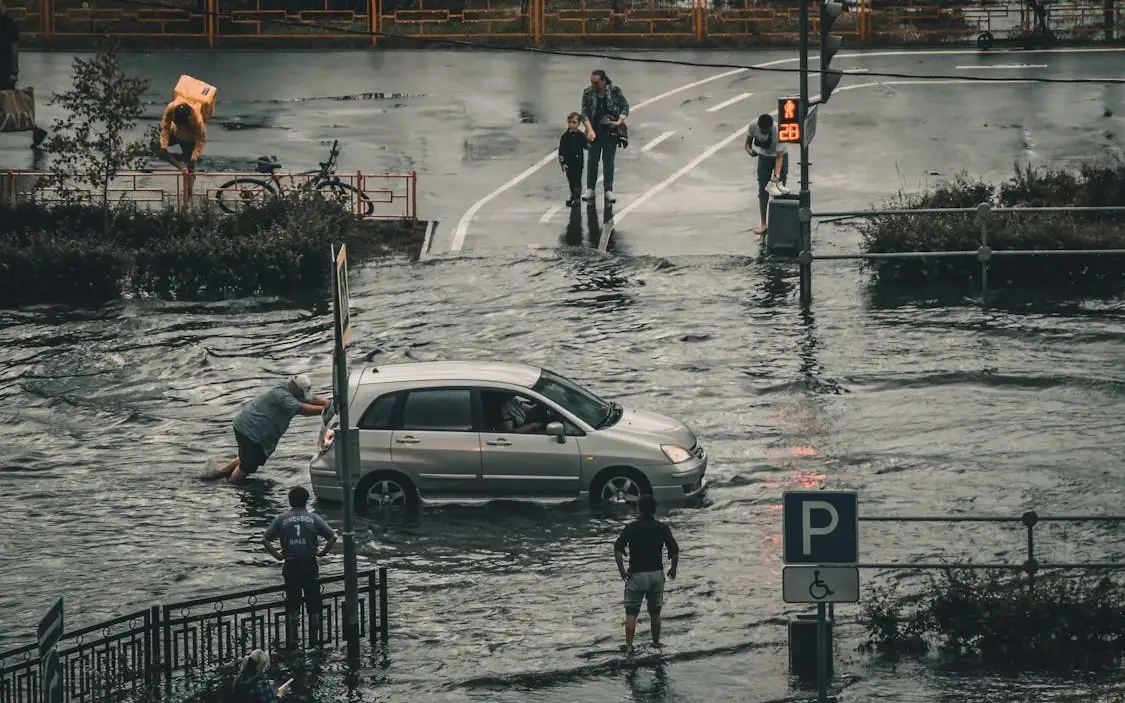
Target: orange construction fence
[534,22]
[379,196]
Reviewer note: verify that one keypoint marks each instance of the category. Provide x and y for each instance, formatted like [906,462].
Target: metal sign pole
[804,261]
[821,654]
[343,449]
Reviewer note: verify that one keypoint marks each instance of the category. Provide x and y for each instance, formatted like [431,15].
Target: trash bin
[783,226]
[802,647]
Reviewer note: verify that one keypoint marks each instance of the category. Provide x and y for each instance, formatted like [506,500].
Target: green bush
[1094,185]
[62,254]
[1056,622]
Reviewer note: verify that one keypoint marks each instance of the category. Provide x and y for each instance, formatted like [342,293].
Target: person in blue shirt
[260,424]
[299,532]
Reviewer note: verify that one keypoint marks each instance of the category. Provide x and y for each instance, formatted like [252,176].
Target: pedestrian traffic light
[789,120]
[829,45]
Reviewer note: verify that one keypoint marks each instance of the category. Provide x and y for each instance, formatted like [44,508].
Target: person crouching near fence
[253,684]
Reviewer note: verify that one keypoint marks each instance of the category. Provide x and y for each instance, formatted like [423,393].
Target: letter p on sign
[820,527]
[807,529]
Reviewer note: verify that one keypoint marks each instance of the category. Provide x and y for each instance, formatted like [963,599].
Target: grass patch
[63,254]
[1058,623]
[1091,185]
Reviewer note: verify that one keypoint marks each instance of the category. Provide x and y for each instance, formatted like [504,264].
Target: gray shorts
[644,585]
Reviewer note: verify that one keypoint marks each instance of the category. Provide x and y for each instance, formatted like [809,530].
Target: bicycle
[240,192]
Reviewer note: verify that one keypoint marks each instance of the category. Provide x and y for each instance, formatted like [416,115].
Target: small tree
[90,145]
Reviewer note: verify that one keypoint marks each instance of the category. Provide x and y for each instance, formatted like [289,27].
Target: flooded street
[924,406]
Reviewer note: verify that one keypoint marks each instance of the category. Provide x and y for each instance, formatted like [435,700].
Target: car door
[527,465]
[375,430]
[436,444]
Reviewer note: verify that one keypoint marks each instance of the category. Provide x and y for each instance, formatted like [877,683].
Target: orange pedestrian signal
[789,120]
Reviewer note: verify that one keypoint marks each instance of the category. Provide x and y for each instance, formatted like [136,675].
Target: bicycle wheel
[352,198]
[239,193]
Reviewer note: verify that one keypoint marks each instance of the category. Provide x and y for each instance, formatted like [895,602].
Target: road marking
[654,142]
[549,214]
[728,103]
[429,239]
[856,70]
[467,219]
[610,225]
[463,225]
[1000,66]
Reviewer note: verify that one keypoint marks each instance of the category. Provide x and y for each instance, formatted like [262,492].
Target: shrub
[90,145]
[1056,622]
[61,254]
[1094,185]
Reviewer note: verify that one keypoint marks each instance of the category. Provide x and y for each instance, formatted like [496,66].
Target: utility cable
[218,14]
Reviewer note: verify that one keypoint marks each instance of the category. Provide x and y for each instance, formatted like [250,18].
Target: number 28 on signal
[789,132]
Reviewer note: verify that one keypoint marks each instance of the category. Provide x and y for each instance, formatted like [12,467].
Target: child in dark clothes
[572,147]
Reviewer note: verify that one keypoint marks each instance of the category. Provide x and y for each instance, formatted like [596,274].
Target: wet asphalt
[472,123]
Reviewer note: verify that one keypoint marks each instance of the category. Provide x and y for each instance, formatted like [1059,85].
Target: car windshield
[590,408]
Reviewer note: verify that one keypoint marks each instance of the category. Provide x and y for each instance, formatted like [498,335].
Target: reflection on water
[113,412]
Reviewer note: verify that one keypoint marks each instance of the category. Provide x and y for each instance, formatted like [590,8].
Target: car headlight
[675,453]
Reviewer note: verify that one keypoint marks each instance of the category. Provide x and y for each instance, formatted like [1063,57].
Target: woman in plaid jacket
[604,109]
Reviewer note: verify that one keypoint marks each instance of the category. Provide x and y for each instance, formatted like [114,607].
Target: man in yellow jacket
[182,124]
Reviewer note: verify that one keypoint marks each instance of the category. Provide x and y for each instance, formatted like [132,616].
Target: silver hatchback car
[482,430]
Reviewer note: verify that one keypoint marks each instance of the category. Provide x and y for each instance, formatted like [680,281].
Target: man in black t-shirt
[645,539]
[10,62]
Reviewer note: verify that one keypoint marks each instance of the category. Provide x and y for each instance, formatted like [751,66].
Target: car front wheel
[619,487]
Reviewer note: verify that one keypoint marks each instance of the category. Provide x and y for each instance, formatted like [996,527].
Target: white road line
[428,241]
[728,103]
[466,219]
[549,214]
[610,225]
[989,66]
[654,142]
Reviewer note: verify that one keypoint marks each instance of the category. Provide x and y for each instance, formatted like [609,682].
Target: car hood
[660,428]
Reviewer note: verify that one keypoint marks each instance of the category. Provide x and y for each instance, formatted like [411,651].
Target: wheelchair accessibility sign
[820,584]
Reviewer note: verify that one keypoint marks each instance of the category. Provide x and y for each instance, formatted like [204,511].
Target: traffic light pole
[804,259]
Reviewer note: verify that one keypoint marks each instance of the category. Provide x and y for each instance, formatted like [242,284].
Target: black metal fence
[159,648]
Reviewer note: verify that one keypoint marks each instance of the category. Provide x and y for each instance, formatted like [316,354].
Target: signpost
[342,314]
[820,533]
[50,672]
[810,125]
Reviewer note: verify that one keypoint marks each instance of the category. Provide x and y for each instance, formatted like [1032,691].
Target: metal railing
[392,196]
[1029,566]
[983,253]
[680,22]
[157,648]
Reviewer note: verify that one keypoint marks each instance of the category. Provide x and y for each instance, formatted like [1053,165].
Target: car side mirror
[556,430]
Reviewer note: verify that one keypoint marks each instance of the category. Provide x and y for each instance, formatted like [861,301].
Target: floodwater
[925,405]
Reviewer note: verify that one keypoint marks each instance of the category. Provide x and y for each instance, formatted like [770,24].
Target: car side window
[378,414]
[443,409]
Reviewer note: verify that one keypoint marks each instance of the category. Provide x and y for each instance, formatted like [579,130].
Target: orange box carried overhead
[198,93]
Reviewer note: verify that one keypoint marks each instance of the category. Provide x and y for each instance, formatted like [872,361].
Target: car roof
[491,371]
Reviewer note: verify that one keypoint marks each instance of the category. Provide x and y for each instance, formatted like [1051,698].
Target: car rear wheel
[619,487]
[384,492]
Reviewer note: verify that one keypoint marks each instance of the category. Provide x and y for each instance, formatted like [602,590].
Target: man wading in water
[645,538]
[258,427]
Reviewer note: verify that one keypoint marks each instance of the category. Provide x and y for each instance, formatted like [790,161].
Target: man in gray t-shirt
[773,161]
[299,532]
[260,424]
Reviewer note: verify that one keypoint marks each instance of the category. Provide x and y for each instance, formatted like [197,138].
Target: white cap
[303,384]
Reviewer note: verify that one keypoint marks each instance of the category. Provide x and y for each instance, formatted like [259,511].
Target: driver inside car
[514,416]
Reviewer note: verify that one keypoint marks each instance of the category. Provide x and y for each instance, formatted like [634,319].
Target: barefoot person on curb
[645,538]
[762,141]
[259,425]
[10,63]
